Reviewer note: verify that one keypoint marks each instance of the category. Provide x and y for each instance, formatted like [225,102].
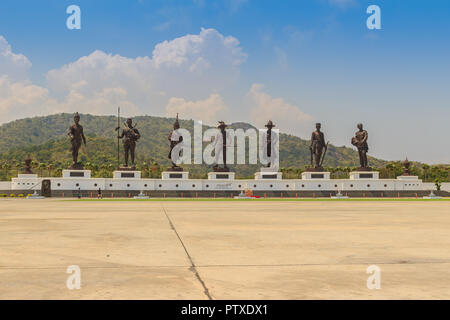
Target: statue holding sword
[318,149]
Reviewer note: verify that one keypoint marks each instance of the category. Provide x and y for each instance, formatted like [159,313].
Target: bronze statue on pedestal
[27,169]
[269,127]
[406,165]
[221,145]
[318,149]
[174,139]
[130,135]
[76,135]
[360,142]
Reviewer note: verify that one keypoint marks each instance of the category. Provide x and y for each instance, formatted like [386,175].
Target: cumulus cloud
[18,96]
[190,66]
[209,110]
[15,66]
[23,99]
[287,117]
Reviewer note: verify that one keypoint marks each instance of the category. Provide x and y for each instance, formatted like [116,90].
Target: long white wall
[5,185]
[131,184]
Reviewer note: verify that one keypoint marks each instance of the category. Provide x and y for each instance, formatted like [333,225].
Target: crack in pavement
[192,268]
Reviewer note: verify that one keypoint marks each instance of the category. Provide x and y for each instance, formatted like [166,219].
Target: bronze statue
[174,139]
[317,148]
[221,148]
[269,127]
[130,135]
[27,169]
[76,137]
[360,141]
[406,170]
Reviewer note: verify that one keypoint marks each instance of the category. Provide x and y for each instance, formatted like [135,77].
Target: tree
[438,184]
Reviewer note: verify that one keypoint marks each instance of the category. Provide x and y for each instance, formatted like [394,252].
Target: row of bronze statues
[130,135]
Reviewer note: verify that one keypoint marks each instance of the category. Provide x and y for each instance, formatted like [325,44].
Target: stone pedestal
[128,174]
[175,175]
[364,175]
[268,175]
[27,176]
[69,173]
[408,178]
[221,176]
[315,175]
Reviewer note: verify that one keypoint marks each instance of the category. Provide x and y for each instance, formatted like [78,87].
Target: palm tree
[50,168]
[390,168]
[17,165]
[347,170]
[145,168]
[41,166]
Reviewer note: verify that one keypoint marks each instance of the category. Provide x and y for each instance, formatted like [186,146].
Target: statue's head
[270,124]
[176,124]
[360,126]
[76,118]
[129,122]
[222,125]
[318,126]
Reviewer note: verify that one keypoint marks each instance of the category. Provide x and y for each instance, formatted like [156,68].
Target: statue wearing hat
[317,148]
[222,141]
[174,139]
[130,135]
[76,135]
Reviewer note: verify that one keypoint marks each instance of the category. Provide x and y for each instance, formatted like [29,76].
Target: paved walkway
[224,250]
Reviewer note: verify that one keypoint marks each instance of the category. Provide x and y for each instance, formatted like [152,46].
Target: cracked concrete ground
[224,249]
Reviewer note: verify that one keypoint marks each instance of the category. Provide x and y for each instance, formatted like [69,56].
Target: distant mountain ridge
[45,139]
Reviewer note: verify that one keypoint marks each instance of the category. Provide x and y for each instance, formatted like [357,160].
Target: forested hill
[45,139]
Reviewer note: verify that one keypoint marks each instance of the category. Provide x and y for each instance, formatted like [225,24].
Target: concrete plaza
[224,249]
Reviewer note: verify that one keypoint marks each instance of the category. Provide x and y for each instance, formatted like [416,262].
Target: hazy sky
[295,62]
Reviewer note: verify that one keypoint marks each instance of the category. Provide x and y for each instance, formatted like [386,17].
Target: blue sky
[295,62]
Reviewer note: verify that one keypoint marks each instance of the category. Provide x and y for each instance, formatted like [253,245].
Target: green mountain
[45,140]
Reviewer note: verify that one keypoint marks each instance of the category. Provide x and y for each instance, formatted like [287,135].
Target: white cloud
[209,45]
[210,110]
[15,66]
[23,99]
[288,118]
[190,66]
